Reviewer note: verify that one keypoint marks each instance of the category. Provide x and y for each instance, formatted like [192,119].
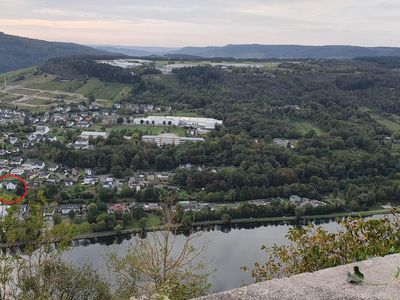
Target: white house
[17,171]
[17,161]
[295,199]
[39,165]
[69,182]
[3,211]
[28,165]
[109,183]
[41,130]
[89,181]
[10,186]
[53,168]
[65,209]
[13,140]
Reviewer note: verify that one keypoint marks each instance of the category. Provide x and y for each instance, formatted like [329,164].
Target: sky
[177,23]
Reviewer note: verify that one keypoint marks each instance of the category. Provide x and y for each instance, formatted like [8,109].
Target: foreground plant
[36,270]
[163,264]
[312,248]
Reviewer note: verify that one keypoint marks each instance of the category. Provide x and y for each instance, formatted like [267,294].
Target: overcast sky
[205,22]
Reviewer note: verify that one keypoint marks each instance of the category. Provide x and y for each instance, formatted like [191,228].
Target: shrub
[312,248]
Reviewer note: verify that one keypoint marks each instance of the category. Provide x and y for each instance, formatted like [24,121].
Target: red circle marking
[23,195]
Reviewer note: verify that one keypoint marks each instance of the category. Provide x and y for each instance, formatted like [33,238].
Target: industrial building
[204,123]
[169,139]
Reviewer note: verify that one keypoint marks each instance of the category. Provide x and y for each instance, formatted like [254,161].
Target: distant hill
[288,51]
[135,50]
[20,52]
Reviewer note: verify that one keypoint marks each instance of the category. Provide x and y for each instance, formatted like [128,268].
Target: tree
[120,120]
[138,213]
[71,214]
[226,219]
[55,279]
[57,219]
[158,265]
[92,211]
[143,223]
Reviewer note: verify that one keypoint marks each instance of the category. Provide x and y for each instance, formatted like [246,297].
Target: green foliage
[160,265]
[19,52]
[55,279]
[57,219]
[41,273]
[312,248]
[87,66]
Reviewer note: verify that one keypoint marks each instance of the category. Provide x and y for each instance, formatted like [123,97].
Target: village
[90,124]
[49,126]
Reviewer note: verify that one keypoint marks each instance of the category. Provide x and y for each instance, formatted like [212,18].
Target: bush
[313,248]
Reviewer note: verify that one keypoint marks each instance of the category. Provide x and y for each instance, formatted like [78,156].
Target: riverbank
[129,231]
[239,221]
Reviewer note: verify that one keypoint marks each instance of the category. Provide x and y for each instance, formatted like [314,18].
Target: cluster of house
[136,182]
[170,66]
[84,138]
[297,200]
[151,206]
[106,182]
[17,166]
[80,117]
[66,209]
[36,172]
[141,108]
[11,116]
[40,135]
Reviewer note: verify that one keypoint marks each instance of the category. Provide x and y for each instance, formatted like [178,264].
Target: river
[228,248]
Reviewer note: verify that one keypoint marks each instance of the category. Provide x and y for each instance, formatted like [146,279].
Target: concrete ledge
[328,284]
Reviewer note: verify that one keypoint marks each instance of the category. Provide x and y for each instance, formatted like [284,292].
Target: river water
[228,249]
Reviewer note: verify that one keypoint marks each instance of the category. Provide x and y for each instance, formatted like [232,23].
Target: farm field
[391,122]
[45,90]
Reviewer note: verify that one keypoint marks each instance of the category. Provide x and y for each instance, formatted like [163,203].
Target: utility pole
[5,81]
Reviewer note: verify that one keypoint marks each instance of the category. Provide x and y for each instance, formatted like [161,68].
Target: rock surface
[328,284]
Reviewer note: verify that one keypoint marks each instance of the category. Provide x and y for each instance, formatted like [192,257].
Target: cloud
[206,22]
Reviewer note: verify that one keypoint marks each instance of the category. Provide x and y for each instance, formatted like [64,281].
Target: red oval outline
[23,195]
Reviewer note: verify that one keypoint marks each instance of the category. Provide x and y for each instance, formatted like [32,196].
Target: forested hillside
[289,51]
[341,116]
[86,67]
[19,52]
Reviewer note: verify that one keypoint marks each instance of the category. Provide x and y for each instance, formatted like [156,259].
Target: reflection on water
[229,247]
